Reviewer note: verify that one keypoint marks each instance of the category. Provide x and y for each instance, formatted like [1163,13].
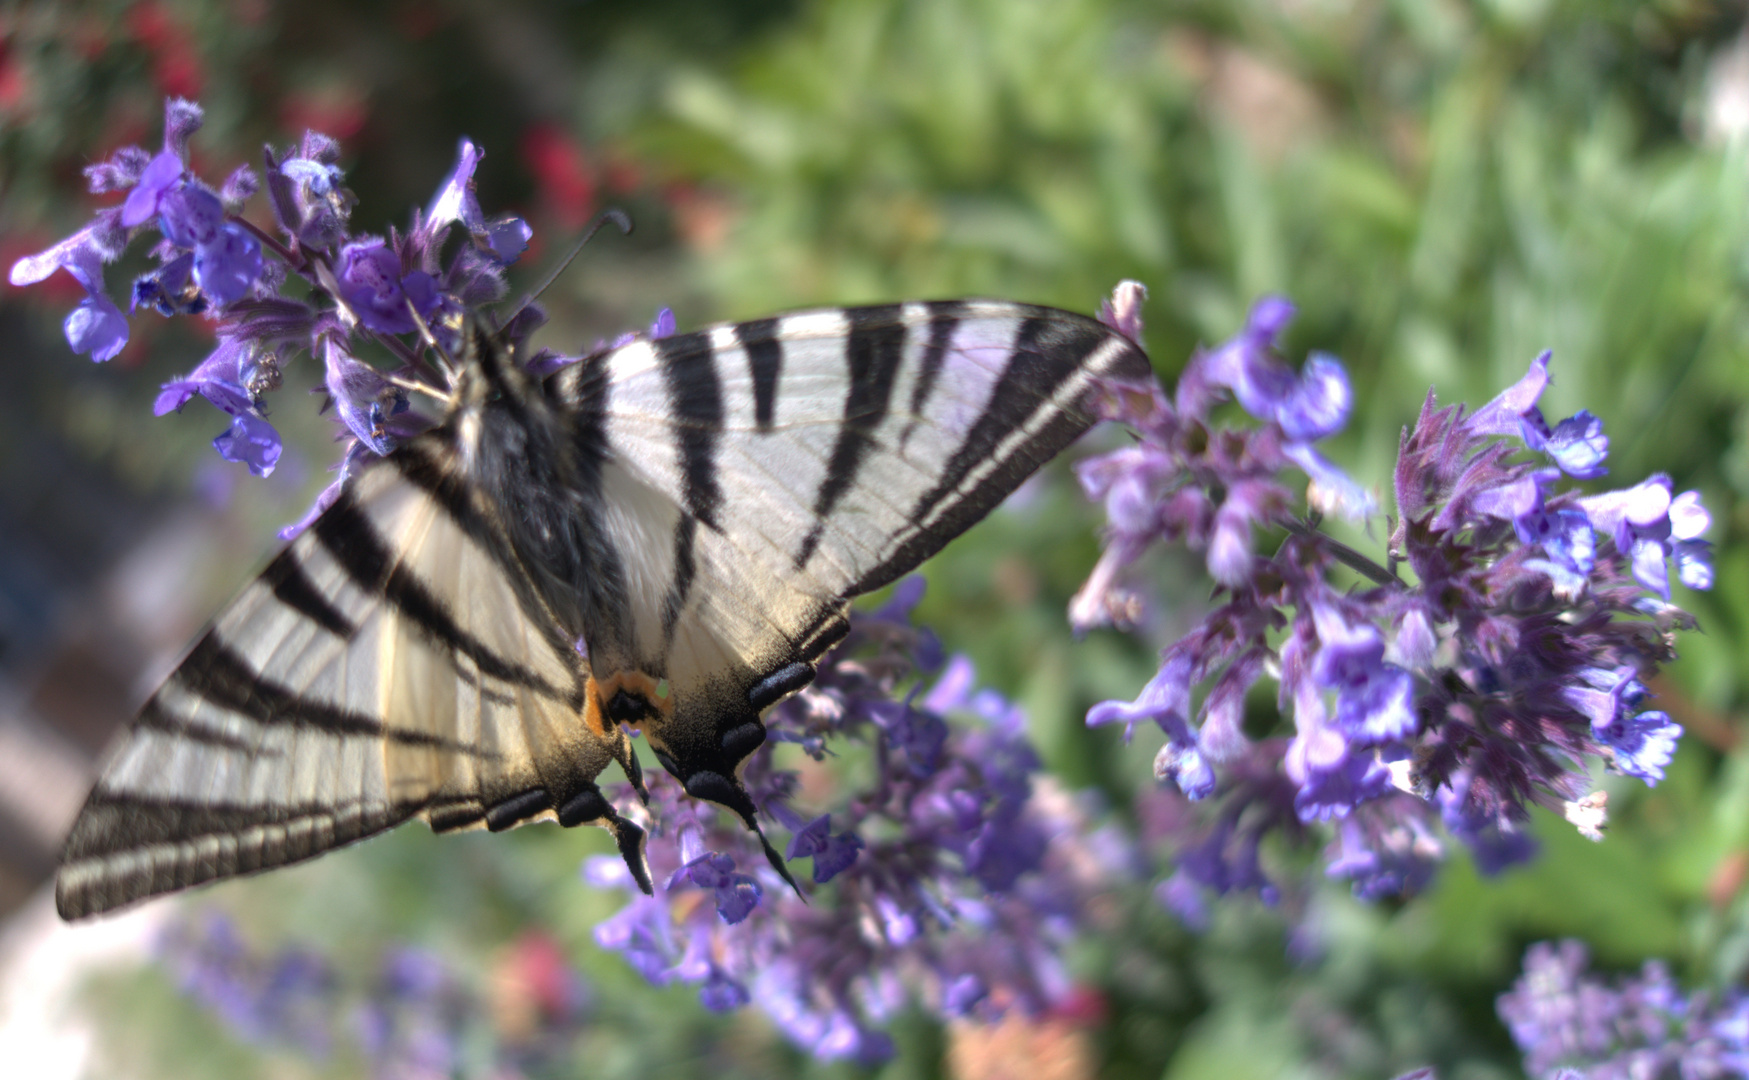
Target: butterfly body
[665,534]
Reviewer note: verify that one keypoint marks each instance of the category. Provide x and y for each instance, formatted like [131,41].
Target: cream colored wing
[391,663]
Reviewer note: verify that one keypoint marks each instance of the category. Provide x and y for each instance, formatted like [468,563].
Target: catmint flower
[251,440]
[363,398]
[370,283]
[96,326]
[1452,698]
[833,853]
[164,172]
[1568,1022]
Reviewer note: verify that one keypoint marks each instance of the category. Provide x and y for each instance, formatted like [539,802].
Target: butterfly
[665,534]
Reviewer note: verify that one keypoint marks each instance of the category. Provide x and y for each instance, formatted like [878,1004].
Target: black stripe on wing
[945,316]
[218,675]
[1049,350]
[765,364]
[293,588]
[689,366]
[873,351]
[347,533]
[430,463]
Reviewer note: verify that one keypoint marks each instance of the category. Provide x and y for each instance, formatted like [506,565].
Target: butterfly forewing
[811,457]
[698,509]
[390,663]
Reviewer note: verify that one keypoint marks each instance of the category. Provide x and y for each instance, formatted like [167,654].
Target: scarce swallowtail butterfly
[665,535]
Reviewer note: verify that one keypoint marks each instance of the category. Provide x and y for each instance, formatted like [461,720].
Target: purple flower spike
[160,176]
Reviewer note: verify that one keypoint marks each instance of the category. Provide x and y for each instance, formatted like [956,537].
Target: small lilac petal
[1384,711]
[1182,762]
[721,994]
[811,839]
[1688,518]
[370,284]
[1123,311]
[1229,552]
[1579,446]
[1269,316]
[1567,584]
[455,199]
[840,854]
[252,441]
[963,994]
[1416,641]
[1517,498]
[1320,402]
[508,238]
[142,202]
[1643,745]
[96,326]
[227,268]
[737,897]
[190,216]
[318,178]
[1694,563]
[1646,503]
[80,255]
[1502,415]
[1331,490]
[1650,568]
[664,326]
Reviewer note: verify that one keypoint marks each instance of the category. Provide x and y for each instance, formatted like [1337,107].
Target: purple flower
[1374,700]
[1650,527]
[832,853]
[736,894]
[370,283]
[163,173]
[1181,760]
[96,326]
[1578,446]
[362,397]
[1331,774]
[506,238]
[251,440]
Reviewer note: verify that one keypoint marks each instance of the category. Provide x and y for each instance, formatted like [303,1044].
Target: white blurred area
[96,660]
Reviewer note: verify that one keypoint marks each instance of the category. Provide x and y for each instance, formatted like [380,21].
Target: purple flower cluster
[412,1019]
[398,293]
[955,881]
[1571,1025]
[1502,643]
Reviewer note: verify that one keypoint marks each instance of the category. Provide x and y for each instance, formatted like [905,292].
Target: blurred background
[1444,187]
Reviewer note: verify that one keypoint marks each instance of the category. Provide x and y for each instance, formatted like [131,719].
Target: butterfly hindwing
[392,662]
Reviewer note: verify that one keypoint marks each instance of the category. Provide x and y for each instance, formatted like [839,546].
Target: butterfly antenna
[613,214]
